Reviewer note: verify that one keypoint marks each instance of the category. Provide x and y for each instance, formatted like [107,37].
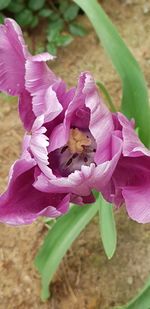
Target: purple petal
[82,200]
[103,172]
[39,81]
[138,202]
[21,203]
[12,58]
[130,184]
[113,194]
[25,146]
[101,123]
[38,75]
[77,183]
[25,110]
[132,146]
[38,145]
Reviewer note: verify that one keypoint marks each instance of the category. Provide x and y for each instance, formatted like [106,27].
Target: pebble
[146,9]
[130,280]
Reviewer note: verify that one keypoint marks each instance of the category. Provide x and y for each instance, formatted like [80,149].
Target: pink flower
[76,145]
[73,148]
[130,183]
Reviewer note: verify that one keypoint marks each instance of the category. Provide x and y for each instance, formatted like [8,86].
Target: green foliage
[2,16]
[55,16]
[63,40]
[58,17]
[55,40]
[24,18]
[34,22]
[4,4]
[36,5]
[76,29]
[135,94]
[71,12]
[59,239]
[63,6]
[15,6]
[56,26]
[45,13]
[51,48]
[107,228]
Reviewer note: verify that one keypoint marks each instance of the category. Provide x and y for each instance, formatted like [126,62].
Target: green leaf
[24,17]
[2,18]
[4,4]
[107,96]
[52,34]
[56,39]
[141,300]
[71,12]
[63,40]
[77,29]
[45,13]
[36,5]
[54,16]
[135,95]
[107,228]
[51,48]
[56,26]
[34,22]
[15,6]
[59,239]
[63,6]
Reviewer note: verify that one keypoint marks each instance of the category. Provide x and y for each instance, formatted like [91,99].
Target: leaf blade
[59,239]
[107,228]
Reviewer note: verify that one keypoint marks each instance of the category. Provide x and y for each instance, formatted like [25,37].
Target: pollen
[77,141]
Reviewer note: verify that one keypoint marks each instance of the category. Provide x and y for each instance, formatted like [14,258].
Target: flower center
[79,151]
[77,141]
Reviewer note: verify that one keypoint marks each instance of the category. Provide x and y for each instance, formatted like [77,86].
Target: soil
[86,279]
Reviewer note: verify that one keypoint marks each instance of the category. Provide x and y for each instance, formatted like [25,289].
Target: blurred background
[86,279]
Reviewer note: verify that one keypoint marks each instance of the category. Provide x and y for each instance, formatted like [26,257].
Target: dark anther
[94,150]
[87,136]
[85,159]
[64,149]
[74,155]
[69,162]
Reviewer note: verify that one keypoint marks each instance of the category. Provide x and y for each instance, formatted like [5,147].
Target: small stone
[130,280]
[146,9]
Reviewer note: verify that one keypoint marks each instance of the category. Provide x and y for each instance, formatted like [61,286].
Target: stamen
[78,140]
[69,162]
[75,155]
[64,149]
[78,151]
